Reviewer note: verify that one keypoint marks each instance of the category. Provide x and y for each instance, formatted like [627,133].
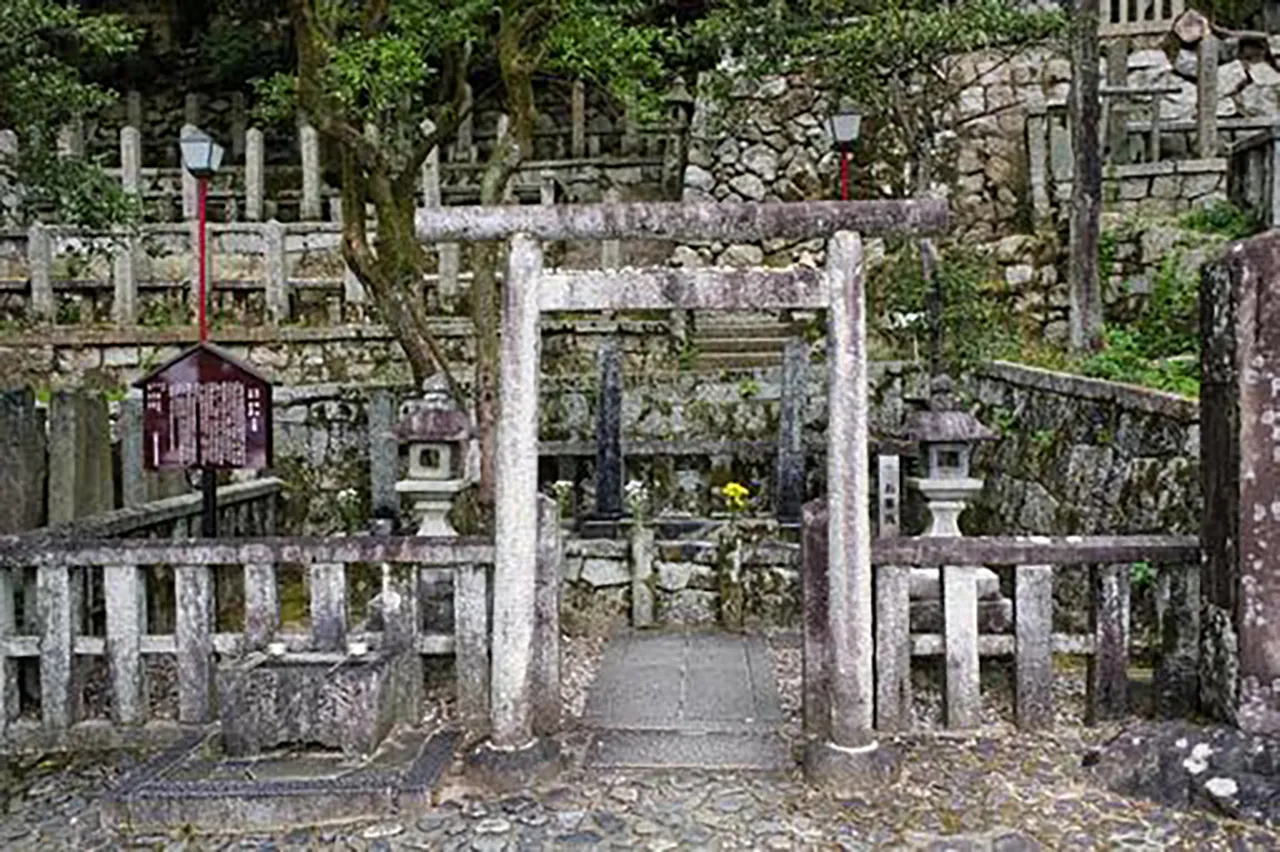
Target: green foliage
[1122,359]
[975,321]
[48,50]
[1142,575]
[1222,219]
[748,388]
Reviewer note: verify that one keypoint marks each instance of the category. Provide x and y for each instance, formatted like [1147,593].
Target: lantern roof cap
[434,417]
[944,422]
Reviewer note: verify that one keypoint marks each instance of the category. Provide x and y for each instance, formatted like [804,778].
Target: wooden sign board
[205,409]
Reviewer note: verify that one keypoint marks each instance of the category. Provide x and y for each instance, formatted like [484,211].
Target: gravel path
[995,790]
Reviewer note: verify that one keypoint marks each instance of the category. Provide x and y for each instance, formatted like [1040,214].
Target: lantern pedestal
[946,499]
[433,498]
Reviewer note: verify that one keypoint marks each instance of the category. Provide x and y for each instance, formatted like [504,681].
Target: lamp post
[201,156]
[844,125]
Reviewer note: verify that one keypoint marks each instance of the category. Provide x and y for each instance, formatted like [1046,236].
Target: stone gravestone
[1240,473]
[22,475]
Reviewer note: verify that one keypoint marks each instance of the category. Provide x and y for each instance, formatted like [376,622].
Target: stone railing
[244,509]
[255,185]
[1252,175]
[58,644]
[1036,561]
[258,273]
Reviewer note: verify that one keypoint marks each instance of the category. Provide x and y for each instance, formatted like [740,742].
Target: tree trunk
[486,307]
[1086,186]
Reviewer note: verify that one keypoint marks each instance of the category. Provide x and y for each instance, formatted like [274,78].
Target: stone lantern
[437,435]
[946,436]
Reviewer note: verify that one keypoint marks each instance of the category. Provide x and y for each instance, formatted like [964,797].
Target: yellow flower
[735,496]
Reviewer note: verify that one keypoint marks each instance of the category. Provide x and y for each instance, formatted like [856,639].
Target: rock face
[1182,765]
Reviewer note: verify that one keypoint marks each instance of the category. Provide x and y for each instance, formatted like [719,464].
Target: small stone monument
[437,434]
[946,436]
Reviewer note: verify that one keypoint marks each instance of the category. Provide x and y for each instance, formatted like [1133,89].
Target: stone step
[725,751]
[760,345]
[713,361]
[766,331]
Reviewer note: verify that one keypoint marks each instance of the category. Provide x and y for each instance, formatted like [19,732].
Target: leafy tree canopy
[48,53]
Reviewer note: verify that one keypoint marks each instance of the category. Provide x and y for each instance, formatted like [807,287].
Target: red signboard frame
[204,409]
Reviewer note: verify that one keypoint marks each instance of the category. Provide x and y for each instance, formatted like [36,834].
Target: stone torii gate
[513,749]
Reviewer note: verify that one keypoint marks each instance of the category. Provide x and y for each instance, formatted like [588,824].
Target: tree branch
[311,97]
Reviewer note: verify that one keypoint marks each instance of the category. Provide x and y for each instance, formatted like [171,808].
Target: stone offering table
[328,699]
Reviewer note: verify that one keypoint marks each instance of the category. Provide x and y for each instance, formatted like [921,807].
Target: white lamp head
[200,154]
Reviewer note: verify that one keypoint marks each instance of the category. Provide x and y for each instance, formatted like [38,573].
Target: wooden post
[546,633]
[1207,96]
[1083,281]
[1033,648]
[960,624]
[815,678]
[40,273]
[893,647]
[254,174]
[1108,685]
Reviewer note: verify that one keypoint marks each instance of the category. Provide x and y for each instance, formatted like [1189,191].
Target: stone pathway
[686,700]
[997,790]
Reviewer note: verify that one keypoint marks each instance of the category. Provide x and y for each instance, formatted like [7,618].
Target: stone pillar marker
[1240,475]
[254,172]
[609,433]
[309,146]
[789,476]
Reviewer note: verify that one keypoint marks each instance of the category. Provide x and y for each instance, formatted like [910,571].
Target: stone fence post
[40,272]
[310,207]
[1207,97]
[254,174]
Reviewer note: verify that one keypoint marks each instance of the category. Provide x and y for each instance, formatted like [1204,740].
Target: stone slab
[187,787]
[329,699]
[686,750]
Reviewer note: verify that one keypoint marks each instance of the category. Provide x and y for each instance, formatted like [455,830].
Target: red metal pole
[204,322]
[844,172]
